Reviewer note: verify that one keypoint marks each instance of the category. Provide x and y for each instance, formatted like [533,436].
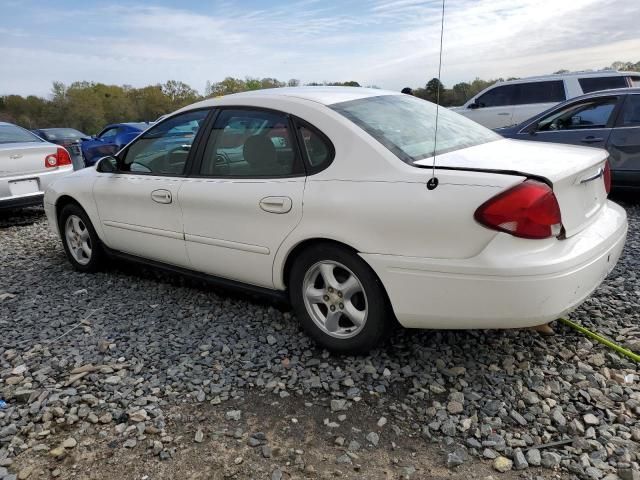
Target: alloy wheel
[78,239]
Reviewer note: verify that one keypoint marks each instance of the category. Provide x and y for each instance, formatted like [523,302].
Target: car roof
[560,76]
[323,95]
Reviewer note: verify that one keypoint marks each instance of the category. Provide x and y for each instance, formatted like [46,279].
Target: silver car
[28,165]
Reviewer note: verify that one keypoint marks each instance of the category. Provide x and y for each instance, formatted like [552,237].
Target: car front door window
[589,114]
[498,97]
[164,149]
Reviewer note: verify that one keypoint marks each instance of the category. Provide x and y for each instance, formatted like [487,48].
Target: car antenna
[433,181]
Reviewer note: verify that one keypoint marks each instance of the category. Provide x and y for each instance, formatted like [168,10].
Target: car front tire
[79,238]
[338,299]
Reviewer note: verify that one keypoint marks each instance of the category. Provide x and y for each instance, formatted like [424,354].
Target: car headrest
[259,152]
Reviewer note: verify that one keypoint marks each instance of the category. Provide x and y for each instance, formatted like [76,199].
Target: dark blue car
[608,119]
[111,139]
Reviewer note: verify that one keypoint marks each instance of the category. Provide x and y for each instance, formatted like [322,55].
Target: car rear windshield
[55,133]
[406,126]
[14,134]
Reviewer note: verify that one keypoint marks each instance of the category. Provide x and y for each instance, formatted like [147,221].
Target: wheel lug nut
[332,308]
[330,290]
[326,297]
[341,306]
[340,294]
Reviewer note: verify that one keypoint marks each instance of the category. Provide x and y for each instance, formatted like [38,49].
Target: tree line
[89,106]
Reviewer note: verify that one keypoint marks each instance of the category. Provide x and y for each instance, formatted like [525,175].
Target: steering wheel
[222,163]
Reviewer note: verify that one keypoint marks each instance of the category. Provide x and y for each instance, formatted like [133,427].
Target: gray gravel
[117,348]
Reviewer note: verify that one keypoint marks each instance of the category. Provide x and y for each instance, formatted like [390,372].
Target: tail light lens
[607,177]
[528,210]
[58,159]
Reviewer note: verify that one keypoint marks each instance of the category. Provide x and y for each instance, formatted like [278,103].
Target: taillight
[607,177]
[58,159]
[528,210]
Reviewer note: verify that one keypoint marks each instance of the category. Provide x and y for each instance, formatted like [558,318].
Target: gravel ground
[132,371]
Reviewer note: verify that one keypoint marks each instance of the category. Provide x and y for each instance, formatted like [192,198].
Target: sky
[387,43]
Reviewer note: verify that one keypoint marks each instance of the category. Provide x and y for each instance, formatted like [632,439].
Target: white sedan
[27,165]
[325,195]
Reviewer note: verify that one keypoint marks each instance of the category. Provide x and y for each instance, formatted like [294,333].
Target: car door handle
[276,204]
[161,196]
[591,139]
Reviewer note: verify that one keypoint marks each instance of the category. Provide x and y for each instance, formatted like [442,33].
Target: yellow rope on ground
[623,351]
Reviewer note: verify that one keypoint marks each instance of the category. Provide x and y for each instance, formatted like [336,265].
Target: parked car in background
[111,139]
[69,138]
[515,234]
[28,164]
[609,119]
[509,103]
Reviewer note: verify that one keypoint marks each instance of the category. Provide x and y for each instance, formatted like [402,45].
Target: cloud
[389,43]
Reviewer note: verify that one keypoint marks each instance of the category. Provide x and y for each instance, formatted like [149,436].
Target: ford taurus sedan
[27,165]
[327,196]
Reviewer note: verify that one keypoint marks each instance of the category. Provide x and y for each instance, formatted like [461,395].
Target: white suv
[509,103]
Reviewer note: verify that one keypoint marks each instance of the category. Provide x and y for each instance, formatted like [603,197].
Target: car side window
[540,92]
[249,143]
[631,112]
[592,113]
[164,149]
[593,84]
[497,97]
[318,149]
[109,134]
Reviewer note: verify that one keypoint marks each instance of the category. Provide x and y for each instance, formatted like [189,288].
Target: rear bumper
[625,180]
[512,283]
[20,201]
[9,199]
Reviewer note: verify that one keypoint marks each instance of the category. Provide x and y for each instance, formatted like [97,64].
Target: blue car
[608,119]
[111,139]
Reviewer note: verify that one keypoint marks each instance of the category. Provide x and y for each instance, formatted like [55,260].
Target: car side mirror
[108,164]
[474,106]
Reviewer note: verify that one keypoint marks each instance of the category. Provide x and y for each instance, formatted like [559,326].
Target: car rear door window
[497,97]
[587,114]
[540,92]
[631,112]
[164,149]
[109,134]
[594,84]
[246,143]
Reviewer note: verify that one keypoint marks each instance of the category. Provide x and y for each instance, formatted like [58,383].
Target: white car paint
[439,267]
[23,175]
[513,114]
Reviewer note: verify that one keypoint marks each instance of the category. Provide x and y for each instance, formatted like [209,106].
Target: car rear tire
[79,238]
[338,299]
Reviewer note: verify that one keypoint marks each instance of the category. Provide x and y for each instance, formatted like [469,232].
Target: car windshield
[14,134]
[54,133]
[406,126]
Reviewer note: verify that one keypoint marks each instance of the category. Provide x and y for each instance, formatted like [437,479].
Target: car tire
[81,243]
[338,299]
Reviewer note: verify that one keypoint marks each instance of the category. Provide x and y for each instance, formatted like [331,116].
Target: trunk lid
[24,158]
[574,172]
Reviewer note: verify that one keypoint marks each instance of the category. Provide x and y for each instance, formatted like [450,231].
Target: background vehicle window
[498,97]
[635,81]
[593,84]
[250,143]
[540,92]
[109,135]
[594,113]
[631,112]
[14,134]
[164,149]
[318,151]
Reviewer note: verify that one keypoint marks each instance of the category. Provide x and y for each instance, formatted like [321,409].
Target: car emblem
[15,157]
